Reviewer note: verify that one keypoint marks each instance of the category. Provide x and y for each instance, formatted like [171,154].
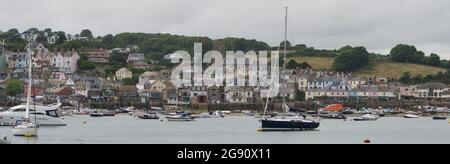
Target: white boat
[157,108]
[129,109]
[181,117]
[25,127]
[44,115]
[367,117]
[411,116]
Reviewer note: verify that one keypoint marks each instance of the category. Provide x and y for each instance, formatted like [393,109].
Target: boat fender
[367,141]
[19,122]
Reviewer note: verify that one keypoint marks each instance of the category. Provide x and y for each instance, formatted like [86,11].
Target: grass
[396,70]
[378,67]
[317,63]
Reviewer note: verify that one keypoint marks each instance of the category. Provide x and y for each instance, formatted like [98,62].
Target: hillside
[379,67]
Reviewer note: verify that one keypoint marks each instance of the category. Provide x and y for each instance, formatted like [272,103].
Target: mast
[284,59]
[30,69]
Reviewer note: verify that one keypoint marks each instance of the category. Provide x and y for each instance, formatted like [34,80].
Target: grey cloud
[378,25]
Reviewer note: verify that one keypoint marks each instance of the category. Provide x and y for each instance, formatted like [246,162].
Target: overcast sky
[376,24]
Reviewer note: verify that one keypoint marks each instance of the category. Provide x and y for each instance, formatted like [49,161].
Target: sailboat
[285,123]
[25,127]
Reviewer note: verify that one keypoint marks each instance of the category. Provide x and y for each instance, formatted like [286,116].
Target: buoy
[367,141]
[84,122]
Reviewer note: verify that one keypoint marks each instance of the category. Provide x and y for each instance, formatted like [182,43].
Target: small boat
[411,116]
[96,114]
[180,117]
[129,109]
[439,118]
[347,112]
[156,108]
[149,117]
[109,114]
[332,116]
[367,117]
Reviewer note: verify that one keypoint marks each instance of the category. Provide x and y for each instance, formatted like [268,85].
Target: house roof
[435,85]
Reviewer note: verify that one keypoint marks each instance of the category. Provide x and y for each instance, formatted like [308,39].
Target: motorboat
[44,115]
[109,114]
[156,108]
[179,117]
[148,116]
[96,114]
[332,116]
[439,118]
[411,116]
[367,117]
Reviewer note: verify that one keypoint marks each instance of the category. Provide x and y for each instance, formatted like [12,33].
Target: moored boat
[148,117]
[332,116]
[179,117]
[367,117]
[439,118]
[109,114]
[96,114]
[411,116]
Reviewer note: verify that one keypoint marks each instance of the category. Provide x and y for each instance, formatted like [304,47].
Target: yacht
[44,115]
[287,123]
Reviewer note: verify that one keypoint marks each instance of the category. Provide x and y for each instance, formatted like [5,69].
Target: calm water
[124,129]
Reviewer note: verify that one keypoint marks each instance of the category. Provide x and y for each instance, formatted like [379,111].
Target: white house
[239,94]
[123,73]
[431,90]
[355,82]
[147,78]
[66,62]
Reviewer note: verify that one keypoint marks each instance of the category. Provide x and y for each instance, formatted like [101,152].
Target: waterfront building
[123,73]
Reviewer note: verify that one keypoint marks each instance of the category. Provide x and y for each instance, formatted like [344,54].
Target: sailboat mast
[30,69]
[284,59]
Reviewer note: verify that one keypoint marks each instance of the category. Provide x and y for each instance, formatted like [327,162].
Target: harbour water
[124,129]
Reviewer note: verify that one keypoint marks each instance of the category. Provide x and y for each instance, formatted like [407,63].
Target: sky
[377,25]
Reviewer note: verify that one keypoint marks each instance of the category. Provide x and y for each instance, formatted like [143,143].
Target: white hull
[411,116]
[178,119]
[26,131]
[10,119]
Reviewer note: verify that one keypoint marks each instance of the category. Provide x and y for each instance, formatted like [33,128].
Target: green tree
[130,81]
[108,41]
[48,31]
[288,44]
[300,95]
[14,87]
[407,54]
[351,59]
[86,33]
[61,37]
[86,65]
[434,60]
[406,78]
[292,64]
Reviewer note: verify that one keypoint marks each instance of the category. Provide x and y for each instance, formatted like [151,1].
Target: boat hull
[179,119]
[25,131]
[149,117]
[274,125]
[439,118]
